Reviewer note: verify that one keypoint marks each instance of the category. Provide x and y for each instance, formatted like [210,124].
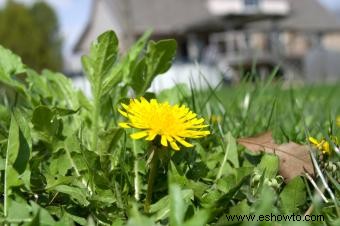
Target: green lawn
[290,112]
[64,159]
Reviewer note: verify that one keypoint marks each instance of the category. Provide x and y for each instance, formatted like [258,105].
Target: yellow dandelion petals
[164,141]
[124,125]
[325,147]
[171,123]
[321,145]
[313,141]
[139,135]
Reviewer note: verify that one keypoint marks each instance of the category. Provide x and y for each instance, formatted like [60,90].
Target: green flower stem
[136,169]
[151,180]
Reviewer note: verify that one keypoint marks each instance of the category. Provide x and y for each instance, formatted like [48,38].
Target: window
[251,3]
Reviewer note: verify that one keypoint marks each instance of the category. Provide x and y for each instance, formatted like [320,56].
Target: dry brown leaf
[294,158]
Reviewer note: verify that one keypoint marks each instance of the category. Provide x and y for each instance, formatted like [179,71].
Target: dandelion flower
[322,145]
[171,123]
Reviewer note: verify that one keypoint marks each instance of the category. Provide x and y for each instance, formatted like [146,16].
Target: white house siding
[322,64]
[220,7]
[332,41]
[238,7]
[278,7]
[198,76]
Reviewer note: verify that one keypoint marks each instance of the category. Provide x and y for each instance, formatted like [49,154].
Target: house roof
[176,16]
[310,15]
[163,16]
[305,16]
[167,16]
[179,16]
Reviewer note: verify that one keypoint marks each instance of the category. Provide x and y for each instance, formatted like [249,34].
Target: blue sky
[74,14]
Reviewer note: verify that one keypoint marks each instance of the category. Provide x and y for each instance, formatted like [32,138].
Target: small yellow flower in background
[322,145]
[215,119]
[338,120]
[172,123]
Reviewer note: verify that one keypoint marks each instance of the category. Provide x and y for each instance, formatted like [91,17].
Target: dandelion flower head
[171,123]
[321,145]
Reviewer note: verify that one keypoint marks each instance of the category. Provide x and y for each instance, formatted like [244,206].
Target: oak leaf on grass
[294,158]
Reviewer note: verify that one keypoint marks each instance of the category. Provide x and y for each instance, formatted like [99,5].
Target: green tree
[33,33]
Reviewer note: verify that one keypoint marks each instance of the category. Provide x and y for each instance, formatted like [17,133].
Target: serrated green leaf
[79,220]
[87,66]
[9,82]
[64,111]
[12,177]
[264,205]
[56,180]
[60,164]
[108,139]
[199,219]
[230,154]
[23,154]
[21,119]
[157,60]
[166,50]
[83,101]
[13,142]
[177,206]
[48,126]
[219,202]
[130,60]
[240,208]
[117,222]
[269,166]
[136,218]
[122,70]
[162,208]
[232,150]
[18,150]
[102,57]
[293,196]
[18,210]
[75,193]
[45,217]
[37,84]
[42,119]
[10,63]
[104,196]
[36,220]
[176,177]
[72,144]
[61,89]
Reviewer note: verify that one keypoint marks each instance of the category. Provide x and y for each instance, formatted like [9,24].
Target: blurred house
[233,35]
[306,43]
